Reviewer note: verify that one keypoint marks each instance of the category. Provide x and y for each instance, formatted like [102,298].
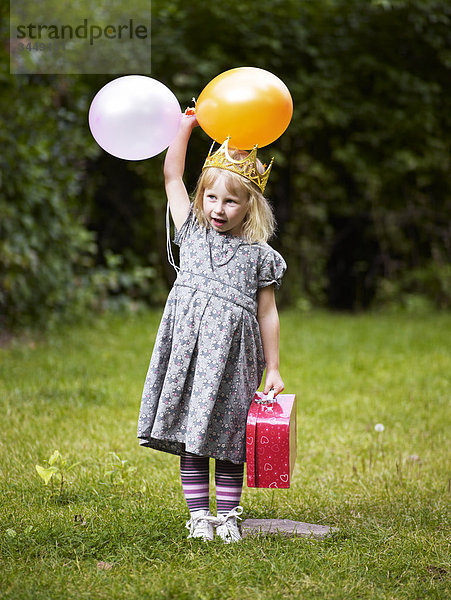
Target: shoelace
[194,521]
[226,522]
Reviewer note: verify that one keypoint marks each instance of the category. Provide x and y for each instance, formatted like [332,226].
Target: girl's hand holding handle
[273,381]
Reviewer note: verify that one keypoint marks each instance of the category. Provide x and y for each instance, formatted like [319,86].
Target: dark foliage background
[361,184]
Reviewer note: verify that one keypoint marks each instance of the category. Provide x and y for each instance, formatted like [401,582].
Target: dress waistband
[216,288]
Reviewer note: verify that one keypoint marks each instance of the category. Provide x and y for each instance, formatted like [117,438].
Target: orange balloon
[249,105]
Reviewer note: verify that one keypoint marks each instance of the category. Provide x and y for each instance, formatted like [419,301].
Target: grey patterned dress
[208,358]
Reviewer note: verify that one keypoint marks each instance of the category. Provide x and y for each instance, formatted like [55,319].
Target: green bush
[43,241]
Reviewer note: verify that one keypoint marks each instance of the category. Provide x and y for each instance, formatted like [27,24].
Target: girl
[219,330]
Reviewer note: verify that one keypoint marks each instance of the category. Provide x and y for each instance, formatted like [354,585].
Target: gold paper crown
[246,167]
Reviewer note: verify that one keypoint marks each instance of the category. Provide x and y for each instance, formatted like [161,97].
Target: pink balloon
[134,117]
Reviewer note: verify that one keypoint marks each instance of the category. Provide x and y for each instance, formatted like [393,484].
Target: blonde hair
[259,223]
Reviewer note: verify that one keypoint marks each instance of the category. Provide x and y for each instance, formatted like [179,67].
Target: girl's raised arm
[174,167]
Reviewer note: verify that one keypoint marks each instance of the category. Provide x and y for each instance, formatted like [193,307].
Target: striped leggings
[195,473]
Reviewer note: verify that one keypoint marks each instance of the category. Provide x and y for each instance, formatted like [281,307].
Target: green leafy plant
[118,470]
[57,467]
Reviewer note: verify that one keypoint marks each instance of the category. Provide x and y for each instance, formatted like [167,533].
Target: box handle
[269,398]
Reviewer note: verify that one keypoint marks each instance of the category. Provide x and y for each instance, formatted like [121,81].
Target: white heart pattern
[264,440]
[273,484]
[268,467]
[284,478]
[250,441]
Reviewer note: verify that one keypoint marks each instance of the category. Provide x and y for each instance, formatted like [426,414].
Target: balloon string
[168,242]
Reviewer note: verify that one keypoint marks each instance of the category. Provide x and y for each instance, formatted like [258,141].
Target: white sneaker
[227,528]
[201,525]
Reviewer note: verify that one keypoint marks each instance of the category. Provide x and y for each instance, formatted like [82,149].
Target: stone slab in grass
[285,527]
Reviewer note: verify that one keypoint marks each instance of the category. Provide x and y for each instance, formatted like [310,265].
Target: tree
[360,186]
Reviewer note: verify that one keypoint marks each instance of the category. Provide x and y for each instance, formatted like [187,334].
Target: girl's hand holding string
[189,118]
[174,167]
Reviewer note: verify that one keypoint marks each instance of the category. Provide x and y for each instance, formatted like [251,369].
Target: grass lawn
[116,531]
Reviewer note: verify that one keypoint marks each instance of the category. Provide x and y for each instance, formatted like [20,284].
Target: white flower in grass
[379,427]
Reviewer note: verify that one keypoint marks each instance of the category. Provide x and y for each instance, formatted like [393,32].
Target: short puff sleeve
[271,268]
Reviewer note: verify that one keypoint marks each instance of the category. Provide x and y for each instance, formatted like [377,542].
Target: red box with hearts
[271,441]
